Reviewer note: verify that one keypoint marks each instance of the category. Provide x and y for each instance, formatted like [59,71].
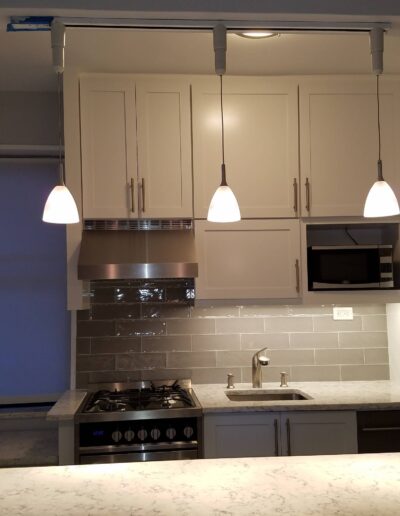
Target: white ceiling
[25,57]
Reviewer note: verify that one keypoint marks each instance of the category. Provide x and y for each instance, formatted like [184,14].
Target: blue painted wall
[34,321]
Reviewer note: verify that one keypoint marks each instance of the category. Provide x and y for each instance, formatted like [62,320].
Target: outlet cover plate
[342,313]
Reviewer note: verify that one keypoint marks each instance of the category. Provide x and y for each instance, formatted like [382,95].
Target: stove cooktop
[152,398]
[140,400]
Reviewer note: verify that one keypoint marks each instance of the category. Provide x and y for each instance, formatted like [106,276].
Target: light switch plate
[341,313]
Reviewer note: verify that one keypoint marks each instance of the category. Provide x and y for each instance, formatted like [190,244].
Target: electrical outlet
[341,313]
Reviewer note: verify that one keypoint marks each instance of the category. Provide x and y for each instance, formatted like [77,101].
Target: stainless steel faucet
[257,361]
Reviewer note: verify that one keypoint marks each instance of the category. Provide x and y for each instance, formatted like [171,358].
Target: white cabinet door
[261,144]
[164,147]
[339,142]
[241,435]
[318,433]
[250,259]
[136,147]
[108,140]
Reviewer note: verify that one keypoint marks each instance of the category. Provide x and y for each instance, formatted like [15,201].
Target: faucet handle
[230,385]
[284,377]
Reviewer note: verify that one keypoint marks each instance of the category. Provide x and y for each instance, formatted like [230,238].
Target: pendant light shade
[223,206]
[60,207]
[381,200]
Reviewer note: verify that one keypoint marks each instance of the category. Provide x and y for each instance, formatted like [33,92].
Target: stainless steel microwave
[350,267]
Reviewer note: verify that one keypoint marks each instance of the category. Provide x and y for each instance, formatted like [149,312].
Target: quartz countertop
[67,405]
[371,395]
[359,485]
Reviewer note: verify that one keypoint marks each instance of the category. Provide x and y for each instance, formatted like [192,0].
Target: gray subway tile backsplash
[314,340]
[147,330]
[363,339]
[257,341]
[115,345]
[215,342]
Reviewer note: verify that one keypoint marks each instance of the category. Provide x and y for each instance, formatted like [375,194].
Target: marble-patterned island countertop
[359,485]
[368,395]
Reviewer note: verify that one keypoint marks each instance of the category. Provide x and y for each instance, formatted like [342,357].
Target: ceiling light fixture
[224,206]
[381,200]
[257,34]
[60,207]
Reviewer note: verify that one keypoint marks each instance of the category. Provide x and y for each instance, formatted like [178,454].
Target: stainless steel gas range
[139,421]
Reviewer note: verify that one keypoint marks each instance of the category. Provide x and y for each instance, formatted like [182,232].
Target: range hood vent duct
[155,254]
[136,224]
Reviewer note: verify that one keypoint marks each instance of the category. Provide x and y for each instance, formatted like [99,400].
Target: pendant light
[381,200]
[223,206]
[60,207]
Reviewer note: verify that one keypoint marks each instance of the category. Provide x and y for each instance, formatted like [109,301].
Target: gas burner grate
[148,398]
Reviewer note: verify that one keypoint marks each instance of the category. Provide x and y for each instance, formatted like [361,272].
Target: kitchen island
[358,485]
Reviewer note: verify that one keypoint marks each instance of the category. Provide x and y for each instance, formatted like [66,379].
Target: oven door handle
[109,458]
[178,445]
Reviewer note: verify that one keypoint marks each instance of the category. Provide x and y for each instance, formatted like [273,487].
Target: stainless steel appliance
[140,421]
[350,267]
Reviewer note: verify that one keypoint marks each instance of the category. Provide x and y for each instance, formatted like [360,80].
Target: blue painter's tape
[29,23]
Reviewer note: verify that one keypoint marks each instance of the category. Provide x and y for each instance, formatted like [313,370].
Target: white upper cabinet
[108,141]
[339,142]
[136,147]
[261,144]
[250,259]
[164,147]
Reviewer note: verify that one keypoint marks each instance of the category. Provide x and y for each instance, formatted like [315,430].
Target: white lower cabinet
[265,434]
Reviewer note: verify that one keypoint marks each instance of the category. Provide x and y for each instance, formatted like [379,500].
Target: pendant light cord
[222,122]
[223,168]
[379,118]
[60,164]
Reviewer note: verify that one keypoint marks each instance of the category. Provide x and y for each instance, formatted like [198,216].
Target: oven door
[140,456]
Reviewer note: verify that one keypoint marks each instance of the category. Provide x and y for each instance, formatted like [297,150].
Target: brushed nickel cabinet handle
[143,196]
[295,204]
[297,267]
[289,448]
[381,429]
[307,184]
[276,436]
[132,195]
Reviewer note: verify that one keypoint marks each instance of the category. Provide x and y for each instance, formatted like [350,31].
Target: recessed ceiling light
[257,34]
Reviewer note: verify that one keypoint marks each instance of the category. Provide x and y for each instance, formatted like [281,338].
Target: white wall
[28,118]
[393,328]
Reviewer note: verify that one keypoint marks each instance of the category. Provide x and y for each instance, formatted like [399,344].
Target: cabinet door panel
[318,433]
[108,146]
[261,144]
[240,435]
[247,259]
[339,142]
[164,147]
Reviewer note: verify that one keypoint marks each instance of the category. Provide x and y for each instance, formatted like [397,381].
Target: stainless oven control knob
[171,433]
[188,431]
[142,434]
[116,436]
[155,433]
[129,435]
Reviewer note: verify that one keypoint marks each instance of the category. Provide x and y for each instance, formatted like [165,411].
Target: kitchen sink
[267,395]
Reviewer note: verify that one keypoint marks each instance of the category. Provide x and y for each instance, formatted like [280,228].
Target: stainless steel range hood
[137,255]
